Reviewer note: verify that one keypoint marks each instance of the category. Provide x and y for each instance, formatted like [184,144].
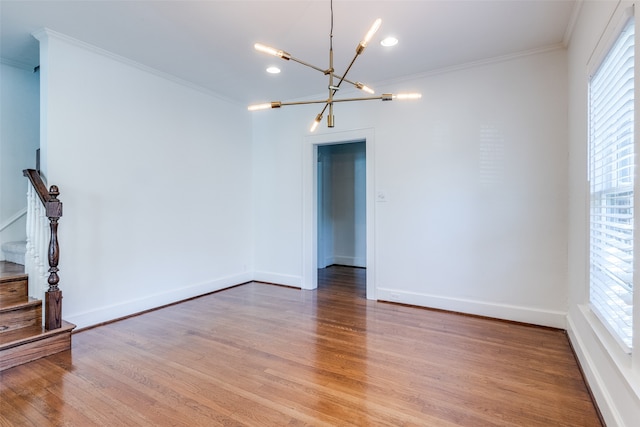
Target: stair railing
[49,209]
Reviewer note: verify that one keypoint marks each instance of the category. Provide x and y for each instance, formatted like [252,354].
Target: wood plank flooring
[265,355]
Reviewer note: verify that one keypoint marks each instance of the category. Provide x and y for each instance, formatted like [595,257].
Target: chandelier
[335,80]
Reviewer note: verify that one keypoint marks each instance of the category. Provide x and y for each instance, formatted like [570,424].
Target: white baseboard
[349,260]
[608,368]
[592,376]
[555,319]
[280,279]
[117,311]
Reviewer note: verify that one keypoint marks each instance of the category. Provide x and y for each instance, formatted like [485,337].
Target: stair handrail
[53,211]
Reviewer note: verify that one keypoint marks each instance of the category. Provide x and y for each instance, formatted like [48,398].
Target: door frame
[310,203]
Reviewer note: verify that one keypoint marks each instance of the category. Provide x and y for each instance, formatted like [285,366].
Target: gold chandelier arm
[383,97]
[288,57]
[306,64]
[304,102]
[348,81]
[329,103]
[357,85]
[324,109]
[361,46]
[365,98]
[343,78]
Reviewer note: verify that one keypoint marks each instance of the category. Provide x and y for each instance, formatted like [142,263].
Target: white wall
[474,175]
[155,177]
[277,192]
[19,139]
[609,371]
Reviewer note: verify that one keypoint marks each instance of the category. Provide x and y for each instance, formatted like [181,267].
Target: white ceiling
[210,43]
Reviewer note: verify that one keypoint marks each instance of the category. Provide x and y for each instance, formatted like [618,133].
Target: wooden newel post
[53,296]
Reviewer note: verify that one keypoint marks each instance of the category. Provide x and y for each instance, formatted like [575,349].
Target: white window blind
[611,174]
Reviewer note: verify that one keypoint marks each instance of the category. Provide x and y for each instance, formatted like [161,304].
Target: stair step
[13,290]
[22,337]
[8,269]
[15,251]
[27,344]
[17,335]
[22,315]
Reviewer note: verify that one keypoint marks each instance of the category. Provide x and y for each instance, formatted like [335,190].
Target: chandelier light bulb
[272,51]
[407,96]
[315,124]
[374,28]
[256,107]
[368,36]
[365,88]
[265,106]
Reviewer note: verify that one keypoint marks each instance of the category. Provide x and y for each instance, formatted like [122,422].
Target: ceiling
[209,43]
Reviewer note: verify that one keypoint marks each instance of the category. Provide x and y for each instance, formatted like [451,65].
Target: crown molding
[474,64]
[17,64]
[575,12]
[44,33]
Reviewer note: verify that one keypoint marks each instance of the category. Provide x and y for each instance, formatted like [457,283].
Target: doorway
[341,205]
[310,244]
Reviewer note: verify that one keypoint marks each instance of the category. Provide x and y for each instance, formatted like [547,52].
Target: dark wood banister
[53,209]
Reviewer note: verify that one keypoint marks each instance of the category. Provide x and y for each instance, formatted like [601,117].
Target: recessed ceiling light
[389,41]
[273,70]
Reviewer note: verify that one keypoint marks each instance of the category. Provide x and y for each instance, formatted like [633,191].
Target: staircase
[15,251]
[22,336]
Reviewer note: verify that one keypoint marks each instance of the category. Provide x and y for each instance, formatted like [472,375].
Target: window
[611,175]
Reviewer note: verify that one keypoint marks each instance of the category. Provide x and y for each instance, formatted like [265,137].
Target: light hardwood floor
[265,355]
